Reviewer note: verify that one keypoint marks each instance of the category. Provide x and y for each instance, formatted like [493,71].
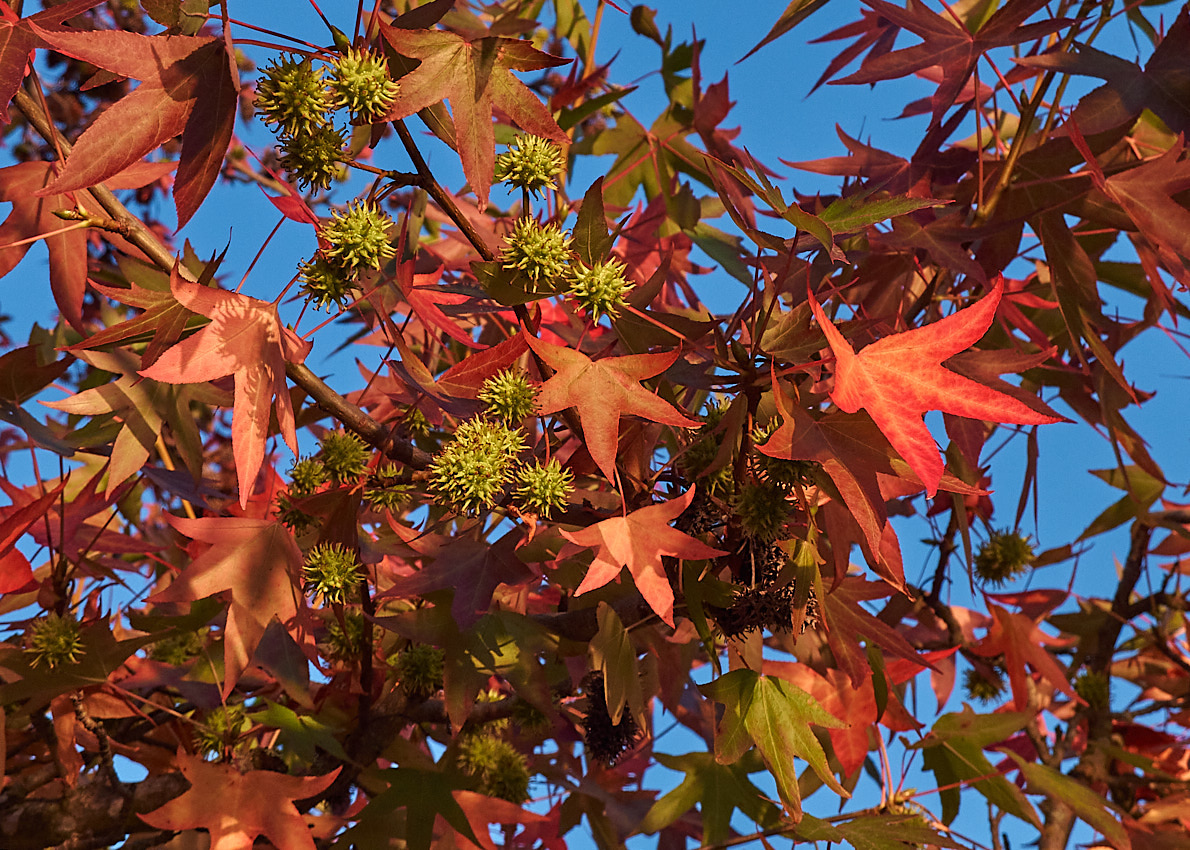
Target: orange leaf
[257,561]
[638,541]
[602,391]
[898,378]
[245,338]
[237,807]
[189,86]
[1020,639]
[475,76]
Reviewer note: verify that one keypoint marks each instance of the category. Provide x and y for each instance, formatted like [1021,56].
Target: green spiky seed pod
[529,718]
[326,283]
[784,473]
[1004,556]
[360,84]
[541,252]
[179,649]
[500,768]
[414,423]
[345,456]
[531,163]
[471,471]
[221,729]
[980,687]
[292,97]
[762,511]
[291,516]
[544,489]
[312,159]
[600,290]
[331,571]
[307,475]
[419,669]
[509,395]
[357,238]
[385,489]
[55,640]
[345,640]
[698,457]
[1095,688]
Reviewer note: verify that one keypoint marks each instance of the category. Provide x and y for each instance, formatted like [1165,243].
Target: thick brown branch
[94,810]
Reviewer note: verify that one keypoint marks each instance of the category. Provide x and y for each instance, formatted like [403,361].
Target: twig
[144,239]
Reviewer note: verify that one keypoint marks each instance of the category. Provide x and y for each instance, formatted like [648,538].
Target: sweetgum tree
[455,597]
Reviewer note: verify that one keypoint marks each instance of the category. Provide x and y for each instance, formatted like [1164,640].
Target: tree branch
[134,229]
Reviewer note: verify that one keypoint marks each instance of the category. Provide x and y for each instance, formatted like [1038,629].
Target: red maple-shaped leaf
[475,76]
[237,807]
[32,216]
[426,298]
[1147,192]
[898,378]
[843,444]
[245,338]
[163,321]
[18,41]
[855,703]
[189,85]
[15,570]
[472,568]
[257,562]
[602,391]
[949,45]
[638,541]
[1019,638]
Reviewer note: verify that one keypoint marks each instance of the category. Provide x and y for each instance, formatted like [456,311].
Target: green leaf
[301,733]
[424,794]
[719,788]
[954,752]
[723,248]
[792,213]
[891,832]
[847,215]
[572,117]
[1142,488]
[613,653]
[776,716]
[1087,804]
[796,12]
[591,239]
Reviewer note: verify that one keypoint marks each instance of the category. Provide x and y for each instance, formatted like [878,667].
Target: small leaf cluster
[387,489]
[221,729]
[540,251]
[345,637]
[344,456]
[605,741]
[600,289]
[361,85]
[509,396]
[473,468]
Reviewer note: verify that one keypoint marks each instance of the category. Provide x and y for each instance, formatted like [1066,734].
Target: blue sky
[779,122]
